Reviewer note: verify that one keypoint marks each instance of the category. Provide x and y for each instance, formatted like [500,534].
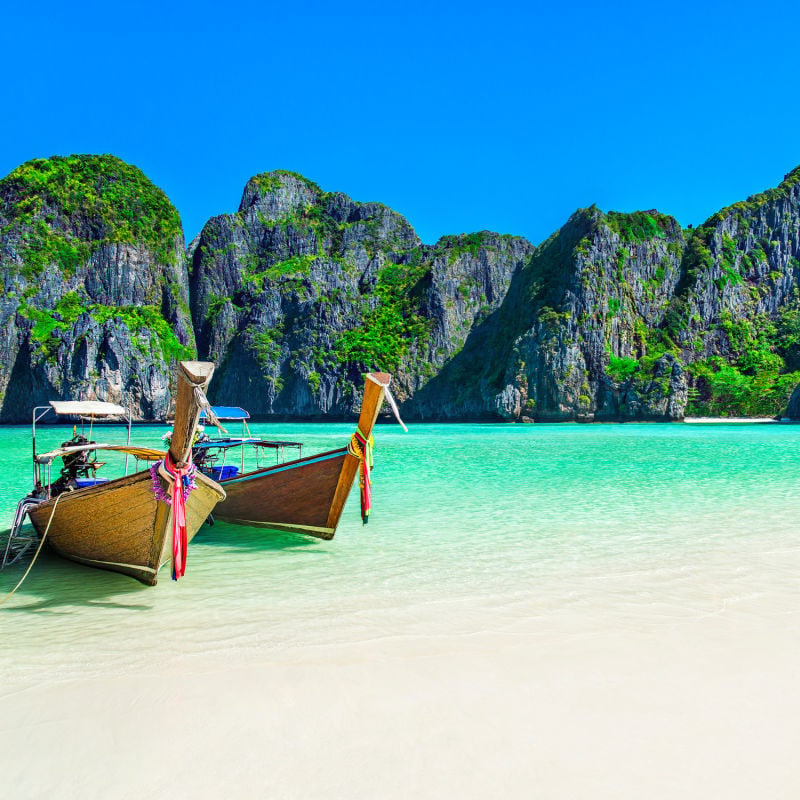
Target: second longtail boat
[305,495]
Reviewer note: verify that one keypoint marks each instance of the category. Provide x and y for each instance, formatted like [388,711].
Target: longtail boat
[132,524]
[304,495]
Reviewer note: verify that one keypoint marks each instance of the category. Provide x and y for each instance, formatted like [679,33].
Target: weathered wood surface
[191,374]
[120,525]
[293,496]
[306,495]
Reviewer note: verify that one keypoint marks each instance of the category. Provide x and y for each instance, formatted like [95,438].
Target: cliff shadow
[459,389]
[18,399]
[468,383]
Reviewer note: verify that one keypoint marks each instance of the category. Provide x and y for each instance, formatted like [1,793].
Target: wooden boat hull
[120,525]
[298,496]
[306,495]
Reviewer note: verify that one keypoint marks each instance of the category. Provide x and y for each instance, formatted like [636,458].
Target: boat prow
[121,525]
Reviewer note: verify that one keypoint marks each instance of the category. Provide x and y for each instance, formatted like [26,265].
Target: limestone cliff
[615,316]
[94,301]
[626,316]
[576,310]
[296,294]
[301,291]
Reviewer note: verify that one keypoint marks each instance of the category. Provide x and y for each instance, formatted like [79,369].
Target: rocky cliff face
[94,300]
[294,296]
[301,291]
[626,316]
[616,316]
[735,317]
[576,309]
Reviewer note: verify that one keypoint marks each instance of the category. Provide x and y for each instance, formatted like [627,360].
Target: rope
[36,554]
[202,403]
[361,447]
[388,394]
[394,408]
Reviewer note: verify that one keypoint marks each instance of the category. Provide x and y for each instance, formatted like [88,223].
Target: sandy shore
[738,420]
[706,708]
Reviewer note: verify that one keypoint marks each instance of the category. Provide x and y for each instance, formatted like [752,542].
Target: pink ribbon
[180,539]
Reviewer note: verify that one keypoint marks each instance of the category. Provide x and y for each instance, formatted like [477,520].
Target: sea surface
[474,529]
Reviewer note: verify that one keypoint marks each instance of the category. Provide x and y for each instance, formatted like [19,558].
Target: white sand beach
[701,708]
[730,420]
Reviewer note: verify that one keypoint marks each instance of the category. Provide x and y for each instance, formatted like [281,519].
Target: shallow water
[474,529]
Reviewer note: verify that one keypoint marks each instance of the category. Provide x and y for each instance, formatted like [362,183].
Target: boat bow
[376,386]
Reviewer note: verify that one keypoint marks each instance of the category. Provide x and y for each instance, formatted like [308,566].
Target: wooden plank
[299,495]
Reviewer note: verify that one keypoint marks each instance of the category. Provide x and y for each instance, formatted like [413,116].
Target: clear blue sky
[462,117]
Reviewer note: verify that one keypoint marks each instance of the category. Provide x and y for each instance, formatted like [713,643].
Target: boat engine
[79,467]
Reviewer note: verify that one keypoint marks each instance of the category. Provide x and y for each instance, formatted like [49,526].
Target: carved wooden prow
[375,384]
[192,375]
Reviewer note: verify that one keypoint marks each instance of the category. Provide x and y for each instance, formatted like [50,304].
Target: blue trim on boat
[283,467]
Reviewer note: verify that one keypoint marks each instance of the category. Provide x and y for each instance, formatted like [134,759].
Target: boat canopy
[224,444]
[226,412]
[87,408]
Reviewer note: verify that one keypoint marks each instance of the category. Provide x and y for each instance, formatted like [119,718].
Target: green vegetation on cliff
[722,389]
[757,201]
[389,327]
[639,226]
[140,321]
[760,373]
[468,244]
[62,209]
[271,181]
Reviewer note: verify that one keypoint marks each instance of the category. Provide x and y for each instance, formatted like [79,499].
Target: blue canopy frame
[226,412]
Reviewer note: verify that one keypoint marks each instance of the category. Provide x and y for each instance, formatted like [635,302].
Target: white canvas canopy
[87,408]
[88,411]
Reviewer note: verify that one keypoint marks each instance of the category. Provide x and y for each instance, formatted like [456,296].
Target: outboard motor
[79,467]
[79,463]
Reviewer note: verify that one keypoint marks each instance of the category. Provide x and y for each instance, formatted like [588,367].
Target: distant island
[616,316]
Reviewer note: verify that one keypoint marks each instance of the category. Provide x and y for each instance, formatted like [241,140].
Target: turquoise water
[474,528]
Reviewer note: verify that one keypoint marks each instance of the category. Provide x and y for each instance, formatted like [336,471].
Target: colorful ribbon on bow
[361,447]
[180,541]
[182,485]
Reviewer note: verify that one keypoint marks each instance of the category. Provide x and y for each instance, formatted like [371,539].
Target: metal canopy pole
[36,418]
[129,444]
